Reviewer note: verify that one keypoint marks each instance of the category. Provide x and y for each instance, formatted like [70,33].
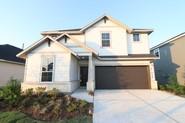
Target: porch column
[152,76]
[91,74]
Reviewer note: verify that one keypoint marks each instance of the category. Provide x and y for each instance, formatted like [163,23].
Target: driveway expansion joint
[153,107]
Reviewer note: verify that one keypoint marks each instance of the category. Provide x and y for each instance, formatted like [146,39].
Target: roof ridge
[91,23]
[168,40]
[10,46]
[64,30]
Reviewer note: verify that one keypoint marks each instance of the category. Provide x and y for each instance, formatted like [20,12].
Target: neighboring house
[10,65]
[171,59]
[104,54]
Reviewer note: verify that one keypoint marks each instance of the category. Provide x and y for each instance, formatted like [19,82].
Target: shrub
[68,99]
[48,107]
[53,93]
[1,94]
[42,105]
[28,92]
[36,109]
[162,87]
[72,107]
[57,109]
[179,90]
[40,90]
[43,99]
[26,102]
[82,103]
[172,79]
[173,86]
[11,93]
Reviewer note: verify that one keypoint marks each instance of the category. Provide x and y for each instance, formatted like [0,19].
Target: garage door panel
[122,77]
[110,76]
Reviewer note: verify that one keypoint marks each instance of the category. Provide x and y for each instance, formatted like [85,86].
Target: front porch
[87,72]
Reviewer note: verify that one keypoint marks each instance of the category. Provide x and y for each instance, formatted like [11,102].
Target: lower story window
[47,76]
[47,69]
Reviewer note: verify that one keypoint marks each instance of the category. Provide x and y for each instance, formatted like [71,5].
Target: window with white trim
[136,37]
[156,52]
[105,39]
[47,68]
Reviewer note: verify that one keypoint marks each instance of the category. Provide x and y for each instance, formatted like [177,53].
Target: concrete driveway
[138,106]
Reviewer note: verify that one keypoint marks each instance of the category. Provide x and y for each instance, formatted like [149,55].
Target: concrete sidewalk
[82,93]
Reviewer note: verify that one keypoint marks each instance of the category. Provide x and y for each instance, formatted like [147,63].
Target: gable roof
[81,30]
[8,54]
[38,43]
[109,18]
[78,42]
[168,41]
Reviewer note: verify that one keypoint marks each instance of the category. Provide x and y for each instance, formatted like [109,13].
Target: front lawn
[41,106]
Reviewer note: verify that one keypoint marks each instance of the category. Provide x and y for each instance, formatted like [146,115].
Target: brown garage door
[122,77]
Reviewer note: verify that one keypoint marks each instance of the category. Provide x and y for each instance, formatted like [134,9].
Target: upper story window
[47,69]
[136,37]
[156,52]
[105,39]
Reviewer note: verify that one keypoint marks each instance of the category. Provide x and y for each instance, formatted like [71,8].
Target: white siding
[44,48]
[121,42]
[33,65]
[117,34]
[138,47]
[74,69]
[8,70]
[65,77]
[32,71]
[62,63]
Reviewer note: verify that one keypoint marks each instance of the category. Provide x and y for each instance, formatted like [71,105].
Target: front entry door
[83,76]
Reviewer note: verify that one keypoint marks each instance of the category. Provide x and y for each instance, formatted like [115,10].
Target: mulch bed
[48,107]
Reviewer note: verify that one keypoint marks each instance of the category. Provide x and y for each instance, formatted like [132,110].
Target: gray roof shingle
[9,52]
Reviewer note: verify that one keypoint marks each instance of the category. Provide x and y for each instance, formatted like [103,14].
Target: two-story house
[105,54]
[171,60]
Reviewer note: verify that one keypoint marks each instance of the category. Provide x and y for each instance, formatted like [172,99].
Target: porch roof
[75,45]
[129,57]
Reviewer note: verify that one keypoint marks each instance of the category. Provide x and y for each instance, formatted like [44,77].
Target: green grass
[84,119]
[18,117]
[15,117]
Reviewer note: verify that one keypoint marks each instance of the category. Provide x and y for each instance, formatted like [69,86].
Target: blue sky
[21,21]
